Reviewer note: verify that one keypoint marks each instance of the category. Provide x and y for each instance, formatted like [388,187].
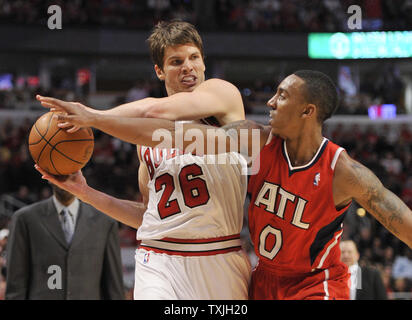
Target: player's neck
[303,148]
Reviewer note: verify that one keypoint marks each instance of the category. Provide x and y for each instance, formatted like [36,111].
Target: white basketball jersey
[193,197]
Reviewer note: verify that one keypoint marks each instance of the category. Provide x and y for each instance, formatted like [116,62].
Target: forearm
[135,109]
[135,130]
[392,212]
[126,211]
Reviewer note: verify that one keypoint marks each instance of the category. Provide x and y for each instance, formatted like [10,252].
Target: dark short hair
[321,91]
[167,34]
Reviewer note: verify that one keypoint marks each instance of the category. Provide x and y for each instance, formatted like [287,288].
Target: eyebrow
[180,56]
[174,57]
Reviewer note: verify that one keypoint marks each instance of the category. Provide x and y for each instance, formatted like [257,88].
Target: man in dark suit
[61,248]
[366,282]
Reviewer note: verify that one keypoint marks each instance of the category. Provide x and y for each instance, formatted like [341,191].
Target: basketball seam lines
[54,147]
[38,131]
[47,141]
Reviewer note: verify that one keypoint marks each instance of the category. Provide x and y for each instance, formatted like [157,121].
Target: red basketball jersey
[293,221]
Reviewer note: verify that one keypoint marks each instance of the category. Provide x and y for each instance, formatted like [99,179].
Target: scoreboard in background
[360,45]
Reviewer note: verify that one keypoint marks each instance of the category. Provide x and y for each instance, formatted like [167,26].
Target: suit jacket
[372,285]
[42,265]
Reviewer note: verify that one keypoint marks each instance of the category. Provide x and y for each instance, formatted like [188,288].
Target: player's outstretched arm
[356,181]
[236,136]
[125,211]
[214,97]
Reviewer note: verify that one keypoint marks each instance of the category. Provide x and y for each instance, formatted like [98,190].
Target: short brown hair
[166,34]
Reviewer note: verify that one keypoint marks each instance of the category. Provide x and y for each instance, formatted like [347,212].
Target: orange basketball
[56,151]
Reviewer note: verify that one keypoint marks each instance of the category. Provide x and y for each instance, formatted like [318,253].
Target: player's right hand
[74,183]
[75,115]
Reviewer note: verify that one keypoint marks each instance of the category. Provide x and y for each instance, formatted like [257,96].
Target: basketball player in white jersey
[192,212]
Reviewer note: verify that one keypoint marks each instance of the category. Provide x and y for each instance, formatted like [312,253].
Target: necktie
[68,224]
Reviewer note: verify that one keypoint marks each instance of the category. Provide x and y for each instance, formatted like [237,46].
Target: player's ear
[159,72]
[309,110]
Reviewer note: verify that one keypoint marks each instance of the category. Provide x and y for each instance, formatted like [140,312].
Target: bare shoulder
[219,84]
[224,97]
[222,88]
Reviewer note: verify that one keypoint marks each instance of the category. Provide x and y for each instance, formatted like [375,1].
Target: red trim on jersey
[190,254]
[209,240]
[206,247]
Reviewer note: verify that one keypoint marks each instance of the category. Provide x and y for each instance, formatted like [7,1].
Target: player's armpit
[360,184]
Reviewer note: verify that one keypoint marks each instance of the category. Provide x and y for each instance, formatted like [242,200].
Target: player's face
[183,68]
[287,107]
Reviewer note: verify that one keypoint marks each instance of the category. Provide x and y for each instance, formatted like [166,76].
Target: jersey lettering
[297,216]
[267,196]
[157,157]
[149,164]
[194,190]
[154,161]
[277,242]
[166,207]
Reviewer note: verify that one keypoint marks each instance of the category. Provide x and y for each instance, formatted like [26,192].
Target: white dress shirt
[73,209]
[355,280]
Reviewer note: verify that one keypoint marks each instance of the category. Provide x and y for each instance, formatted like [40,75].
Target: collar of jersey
[315,158]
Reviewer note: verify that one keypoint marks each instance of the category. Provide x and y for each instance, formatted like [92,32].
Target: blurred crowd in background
[384,87]
[211,15]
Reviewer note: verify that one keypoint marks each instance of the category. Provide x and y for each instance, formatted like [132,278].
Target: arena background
[99,57]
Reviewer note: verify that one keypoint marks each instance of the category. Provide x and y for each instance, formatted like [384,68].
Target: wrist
[85,194]
[93,119]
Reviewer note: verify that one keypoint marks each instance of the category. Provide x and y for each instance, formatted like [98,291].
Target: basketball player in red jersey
[300,193]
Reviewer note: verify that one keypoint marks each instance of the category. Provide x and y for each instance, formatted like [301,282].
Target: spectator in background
[391,164]
[407,192]
[366,282]
[64,232]
[387,280]
[402,266]
[138,91]
[4,234]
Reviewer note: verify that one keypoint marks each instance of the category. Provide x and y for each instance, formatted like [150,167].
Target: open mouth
[189,80]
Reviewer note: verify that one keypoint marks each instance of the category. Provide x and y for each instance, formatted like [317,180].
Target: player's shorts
[191,271]
[325,284]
